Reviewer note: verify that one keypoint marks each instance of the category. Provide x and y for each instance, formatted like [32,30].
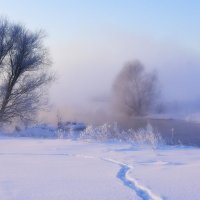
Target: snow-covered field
[60,169]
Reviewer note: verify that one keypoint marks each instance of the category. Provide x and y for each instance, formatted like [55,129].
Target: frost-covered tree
[24,72]
[135,91]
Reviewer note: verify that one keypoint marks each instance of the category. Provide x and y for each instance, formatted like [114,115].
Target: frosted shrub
[101,133]
[145,136]
[60,133]
[141,137]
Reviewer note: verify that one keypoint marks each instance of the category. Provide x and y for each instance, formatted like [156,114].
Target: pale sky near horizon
[89,42]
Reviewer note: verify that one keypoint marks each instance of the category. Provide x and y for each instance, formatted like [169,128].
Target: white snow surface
[63,169]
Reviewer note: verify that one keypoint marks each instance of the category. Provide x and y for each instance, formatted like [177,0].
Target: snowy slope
[55,169]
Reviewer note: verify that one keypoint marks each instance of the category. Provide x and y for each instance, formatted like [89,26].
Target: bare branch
[24,70]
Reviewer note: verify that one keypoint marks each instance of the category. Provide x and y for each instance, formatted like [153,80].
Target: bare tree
[134,90]
[24,72]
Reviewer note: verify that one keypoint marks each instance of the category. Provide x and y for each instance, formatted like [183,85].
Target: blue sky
[90,40]
[176,20]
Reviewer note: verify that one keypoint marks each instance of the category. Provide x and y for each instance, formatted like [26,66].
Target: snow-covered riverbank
[38,169]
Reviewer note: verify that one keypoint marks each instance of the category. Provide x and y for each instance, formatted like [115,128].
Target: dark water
[173,131]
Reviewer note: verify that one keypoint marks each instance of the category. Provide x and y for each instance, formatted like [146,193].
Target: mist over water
[84,86]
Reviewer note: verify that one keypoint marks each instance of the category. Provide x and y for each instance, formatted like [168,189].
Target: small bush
[141,137]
